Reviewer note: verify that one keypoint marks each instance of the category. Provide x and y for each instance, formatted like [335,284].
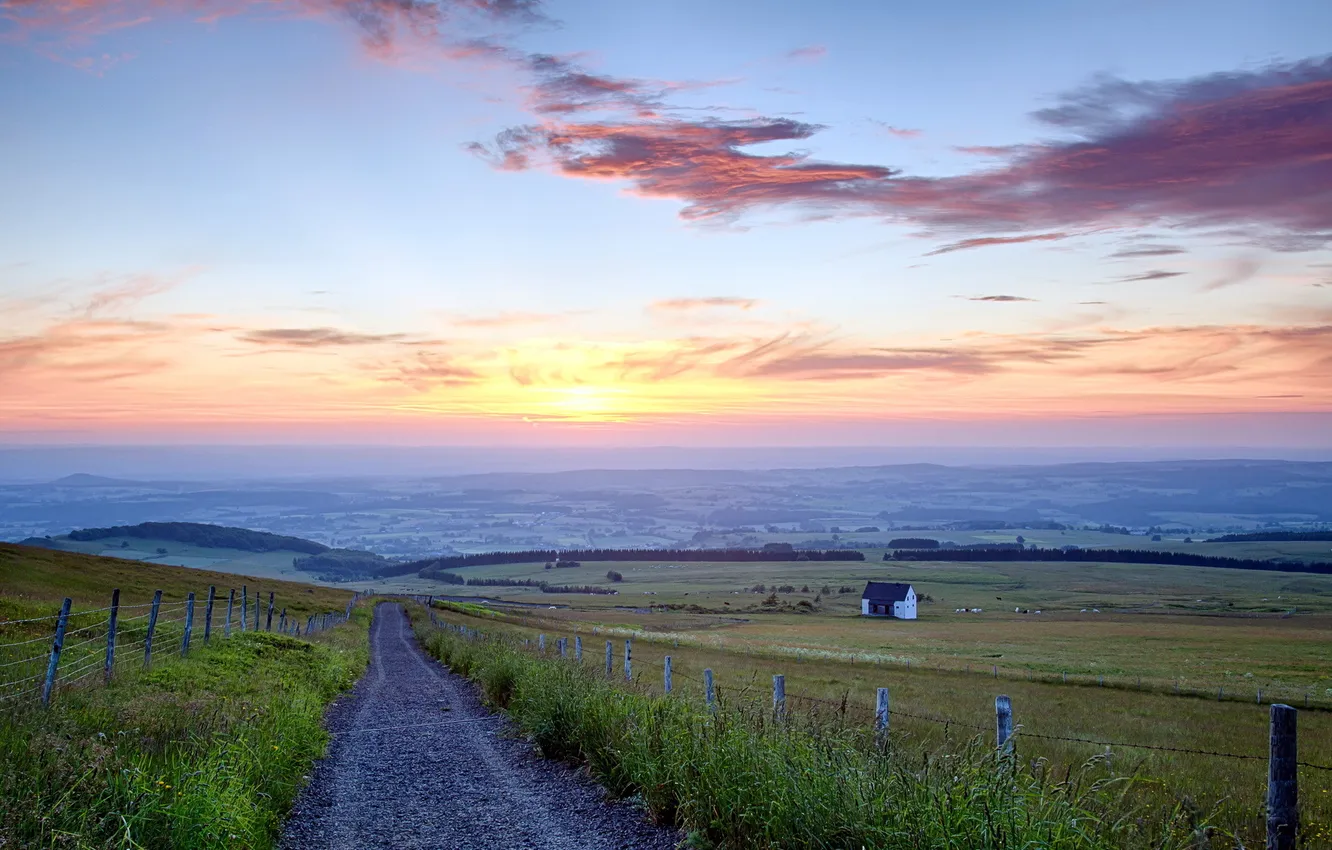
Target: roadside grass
[740,778]
[203,752]
[206,751]
[1231,791]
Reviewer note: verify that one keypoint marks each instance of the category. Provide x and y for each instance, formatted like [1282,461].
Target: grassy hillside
[203,751]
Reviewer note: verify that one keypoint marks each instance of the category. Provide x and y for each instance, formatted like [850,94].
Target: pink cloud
[987,241]
[690,304]
[809,53]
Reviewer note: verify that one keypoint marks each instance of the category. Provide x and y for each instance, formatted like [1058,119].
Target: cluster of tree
[1275,536]
[563,564]
[913,543]
[444,576]
[342,564]
[537,556]
[505,582]
[1112,556]
[570,588]
[612,575]
[203,534]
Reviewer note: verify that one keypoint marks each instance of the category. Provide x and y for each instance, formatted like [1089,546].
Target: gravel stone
[458,778]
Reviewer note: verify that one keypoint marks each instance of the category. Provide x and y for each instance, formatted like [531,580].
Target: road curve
[416,761]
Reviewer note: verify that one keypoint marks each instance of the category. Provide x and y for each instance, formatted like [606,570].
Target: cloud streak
[987,241]
[317,338]
[692,304]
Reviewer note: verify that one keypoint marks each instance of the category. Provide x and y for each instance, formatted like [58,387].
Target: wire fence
[43,655]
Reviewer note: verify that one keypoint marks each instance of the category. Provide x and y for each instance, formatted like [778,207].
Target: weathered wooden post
[541,644]
[609,653]
[282,621]
[778,698]
[256,611]
[231,601]
[268,624]
[628,664]
[309,625]
[881,713]
[245,606]
[208,613]
[996,671]
[564,645]
[189,625]
[56,646]
[666,677]
[1003,723]
[110,664]
[152,627]
[1283,814]
[578,649]
[708,690]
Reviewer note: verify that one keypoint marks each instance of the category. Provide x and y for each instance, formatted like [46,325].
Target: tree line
[1111,556]
[1275,536]
[532,556]
[203,534]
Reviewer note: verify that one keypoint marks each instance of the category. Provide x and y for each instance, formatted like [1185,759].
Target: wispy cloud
[1001,299]
[504,320]
[691,304]
[899,132]
[809,53]
[1148,251]
[316,337]
[987,241]
[1154,274]
[1236,270]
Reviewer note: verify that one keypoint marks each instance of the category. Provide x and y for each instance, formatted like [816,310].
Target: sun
[588,403]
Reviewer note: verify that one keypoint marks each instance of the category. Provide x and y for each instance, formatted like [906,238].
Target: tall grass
[738,777]
[203,752]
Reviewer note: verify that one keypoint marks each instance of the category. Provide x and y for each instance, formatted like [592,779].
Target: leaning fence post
[778,697]
[282,621]
[1003,723]
[152,627]
[1283,814]
[628,667]
[231,601]
[309,625]
[609,653]
[268,624]
[189,625]
[881,712]
[110,662]
[666,678]
[245,606]
[578,649]
[708,690]
[208,613]
[56,646]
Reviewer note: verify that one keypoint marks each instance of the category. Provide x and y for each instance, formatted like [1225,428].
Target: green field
[269,565]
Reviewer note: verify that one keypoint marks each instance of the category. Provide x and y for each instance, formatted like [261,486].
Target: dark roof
[885,591]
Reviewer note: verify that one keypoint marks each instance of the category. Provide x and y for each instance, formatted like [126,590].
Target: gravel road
[417,761]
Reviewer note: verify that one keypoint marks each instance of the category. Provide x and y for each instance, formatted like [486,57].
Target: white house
[888,599]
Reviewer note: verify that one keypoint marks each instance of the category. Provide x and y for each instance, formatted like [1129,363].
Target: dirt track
[417,761]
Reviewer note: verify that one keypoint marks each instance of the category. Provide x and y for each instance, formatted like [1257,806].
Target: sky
[547,223]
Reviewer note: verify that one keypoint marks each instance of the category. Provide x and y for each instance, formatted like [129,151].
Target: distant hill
[203,534]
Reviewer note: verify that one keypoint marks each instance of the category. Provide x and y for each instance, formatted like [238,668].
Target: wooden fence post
[231,601]
[609,653]
[110,664]
[1283,814]
[628,667]
[666,679]
[268,624]
[245,606]
[541,644]
[56,646]
[1003,723]
[564,645]
[189,626]
[881,713]
[309,625]
[996,671]
[778,697]
[578,649]
[152,627]
[282,621]
[256,611]
[708,690]
[208,614]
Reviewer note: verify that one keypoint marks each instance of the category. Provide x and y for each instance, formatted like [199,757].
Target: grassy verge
[203,752]
[737,779]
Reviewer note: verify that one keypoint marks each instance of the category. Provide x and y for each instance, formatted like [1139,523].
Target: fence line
[1282,797]
[84,642]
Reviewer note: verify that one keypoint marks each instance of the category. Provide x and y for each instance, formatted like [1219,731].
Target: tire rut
[417,761]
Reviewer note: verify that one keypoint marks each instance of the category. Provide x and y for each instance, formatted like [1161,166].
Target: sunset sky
[498,222]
